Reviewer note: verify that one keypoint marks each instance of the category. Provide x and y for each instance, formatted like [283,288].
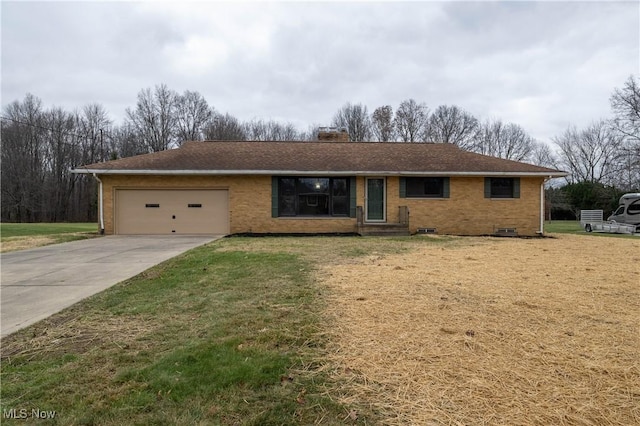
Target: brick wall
[249,202]
[466,212]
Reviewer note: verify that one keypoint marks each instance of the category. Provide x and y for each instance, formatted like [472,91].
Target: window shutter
[274,196]
[403,187]
[487,187]
[352,197]
[516,187]
[445,187]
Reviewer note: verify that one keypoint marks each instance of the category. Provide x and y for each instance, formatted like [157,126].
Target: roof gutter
[312,173]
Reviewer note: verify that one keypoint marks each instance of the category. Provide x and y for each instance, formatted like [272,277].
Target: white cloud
[542,65]
[196,55]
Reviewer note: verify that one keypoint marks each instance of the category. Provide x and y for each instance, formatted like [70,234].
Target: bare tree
[287,132]
[39,147]
[94,125]
[354,118]
[451,124]
[590,155]
[192,114]
[256,130]
[411,121]
[625,103]
[382,124]
[270,130]
[23,150]
[628,161]
[224,128]
[63,152]
[311,134]
[124,142]
[509,141]
[154,118]
[542,155]
[94,134]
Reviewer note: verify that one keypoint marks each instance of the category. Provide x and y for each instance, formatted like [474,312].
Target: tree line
[413,121]
[40,145]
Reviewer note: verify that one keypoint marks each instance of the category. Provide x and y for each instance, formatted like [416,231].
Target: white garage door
[172,211]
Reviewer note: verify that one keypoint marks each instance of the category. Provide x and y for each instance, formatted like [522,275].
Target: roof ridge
[324,142]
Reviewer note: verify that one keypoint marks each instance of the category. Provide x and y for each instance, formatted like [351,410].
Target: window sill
[425,198]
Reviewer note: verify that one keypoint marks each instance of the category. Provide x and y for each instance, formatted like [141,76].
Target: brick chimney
[333,134]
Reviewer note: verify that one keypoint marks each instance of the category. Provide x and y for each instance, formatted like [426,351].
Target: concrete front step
[384,229]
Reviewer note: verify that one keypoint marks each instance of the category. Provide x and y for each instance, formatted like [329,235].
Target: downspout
[541,231]
[100,209]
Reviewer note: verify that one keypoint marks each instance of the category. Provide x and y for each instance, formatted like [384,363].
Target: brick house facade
[319,187]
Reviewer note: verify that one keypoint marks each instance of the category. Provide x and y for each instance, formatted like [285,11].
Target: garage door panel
[156,211]
[198,207]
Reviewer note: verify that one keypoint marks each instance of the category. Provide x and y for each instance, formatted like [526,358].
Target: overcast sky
[543,65]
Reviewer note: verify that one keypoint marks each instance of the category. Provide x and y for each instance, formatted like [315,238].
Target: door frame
[384,199]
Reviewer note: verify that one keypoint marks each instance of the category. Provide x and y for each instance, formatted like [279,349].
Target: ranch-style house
[327,186]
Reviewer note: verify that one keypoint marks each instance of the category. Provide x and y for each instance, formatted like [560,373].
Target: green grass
[563,227]
[8,230]
[574,227]
[224,334]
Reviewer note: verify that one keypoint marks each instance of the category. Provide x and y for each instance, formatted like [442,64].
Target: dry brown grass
[32,241]
[22,243]
[490,331]
[76,331]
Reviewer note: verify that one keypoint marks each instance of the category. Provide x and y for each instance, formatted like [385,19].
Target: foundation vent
[427,231]
[507,232]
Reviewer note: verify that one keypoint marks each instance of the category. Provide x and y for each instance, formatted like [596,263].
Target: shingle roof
[242,157]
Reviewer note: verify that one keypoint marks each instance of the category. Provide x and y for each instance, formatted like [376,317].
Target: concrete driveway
[39,282]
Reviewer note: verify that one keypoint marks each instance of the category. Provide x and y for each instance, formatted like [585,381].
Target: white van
[628,210]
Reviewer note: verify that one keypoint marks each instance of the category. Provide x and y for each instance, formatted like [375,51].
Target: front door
[375,200]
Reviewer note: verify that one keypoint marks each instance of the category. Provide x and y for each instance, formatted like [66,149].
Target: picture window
[313,196]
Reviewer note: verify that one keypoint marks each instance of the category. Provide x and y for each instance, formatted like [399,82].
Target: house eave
[549,174]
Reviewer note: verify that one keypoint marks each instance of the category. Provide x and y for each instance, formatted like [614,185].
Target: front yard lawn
[218,335]
[412,330]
